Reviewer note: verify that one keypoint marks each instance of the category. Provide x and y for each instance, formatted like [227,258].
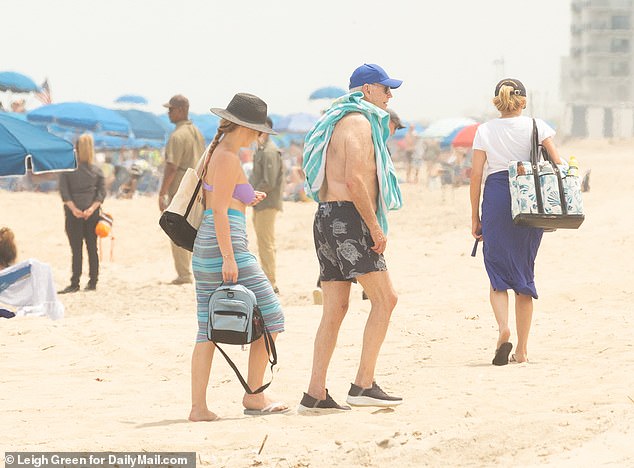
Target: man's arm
[359,152]
[173,156]
[168,177]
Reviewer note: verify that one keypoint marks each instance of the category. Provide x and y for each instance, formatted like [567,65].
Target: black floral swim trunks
[343,243]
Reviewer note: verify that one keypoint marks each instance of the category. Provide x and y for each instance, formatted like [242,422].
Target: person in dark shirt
[83,191]
[267,177]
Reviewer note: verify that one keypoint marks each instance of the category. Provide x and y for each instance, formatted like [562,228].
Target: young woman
[83,191]
[509,250]
[221,252]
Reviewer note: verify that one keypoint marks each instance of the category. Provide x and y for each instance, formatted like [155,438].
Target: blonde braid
[225,126]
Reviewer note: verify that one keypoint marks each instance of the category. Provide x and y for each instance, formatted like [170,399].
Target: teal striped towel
[316,145]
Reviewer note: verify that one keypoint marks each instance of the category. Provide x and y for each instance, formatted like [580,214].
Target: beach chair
[27,288]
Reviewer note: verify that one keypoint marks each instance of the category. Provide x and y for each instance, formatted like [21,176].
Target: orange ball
[102,229]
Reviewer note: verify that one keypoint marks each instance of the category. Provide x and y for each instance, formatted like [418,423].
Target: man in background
[184,148]
[267,177]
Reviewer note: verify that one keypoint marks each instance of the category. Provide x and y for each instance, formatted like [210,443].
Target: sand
[113,375]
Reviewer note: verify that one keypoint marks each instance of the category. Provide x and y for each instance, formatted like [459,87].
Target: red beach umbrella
[464,138]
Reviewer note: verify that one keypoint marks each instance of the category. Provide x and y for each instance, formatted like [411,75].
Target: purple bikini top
[242,192]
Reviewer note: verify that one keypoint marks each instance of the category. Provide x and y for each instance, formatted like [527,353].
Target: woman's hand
[87,213]
[229,270]
[259,196]
[476,228]
[77,213]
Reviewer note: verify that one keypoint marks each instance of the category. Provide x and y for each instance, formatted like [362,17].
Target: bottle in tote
[572,188]
[573,167]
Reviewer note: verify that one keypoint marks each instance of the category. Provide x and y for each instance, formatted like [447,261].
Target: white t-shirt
[508,139]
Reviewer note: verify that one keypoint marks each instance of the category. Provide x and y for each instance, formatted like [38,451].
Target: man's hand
[163,202]
[380,241]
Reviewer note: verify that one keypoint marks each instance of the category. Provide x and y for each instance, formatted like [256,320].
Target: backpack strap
[271,352]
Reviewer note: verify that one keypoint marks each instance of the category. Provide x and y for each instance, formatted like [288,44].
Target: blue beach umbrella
[24,145]
[131,99]
[300,122]
[17,83]
[145,124]
[327,92]
[207,124]
[81,115]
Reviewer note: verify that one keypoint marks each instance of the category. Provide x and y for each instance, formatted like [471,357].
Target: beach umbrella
[145,124]
[464,138]
[17,83]
[131,99]
[327,92]
[444,127]
[207,124]
[24,145]
[81,115]
[446,141]
[300,122]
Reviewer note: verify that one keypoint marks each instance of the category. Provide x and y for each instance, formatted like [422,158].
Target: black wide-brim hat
[246,110]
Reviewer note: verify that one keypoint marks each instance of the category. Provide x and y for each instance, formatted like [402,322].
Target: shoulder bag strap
[535,165]
[201,170]
[272,352]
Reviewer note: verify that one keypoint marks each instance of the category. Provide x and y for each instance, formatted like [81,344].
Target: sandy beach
[114,375]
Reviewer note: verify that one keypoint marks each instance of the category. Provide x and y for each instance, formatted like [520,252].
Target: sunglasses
[386,88]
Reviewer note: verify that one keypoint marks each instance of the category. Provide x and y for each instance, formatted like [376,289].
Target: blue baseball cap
[371,73]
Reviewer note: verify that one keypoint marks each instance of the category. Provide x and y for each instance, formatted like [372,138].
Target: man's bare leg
[336,295]
[383,298]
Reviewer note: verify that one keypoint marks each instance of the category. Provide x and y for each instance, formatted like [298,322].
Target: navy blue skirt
[509,250]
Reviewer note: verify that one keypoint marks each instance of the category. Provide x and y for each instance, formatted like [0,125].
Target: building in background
[597,82]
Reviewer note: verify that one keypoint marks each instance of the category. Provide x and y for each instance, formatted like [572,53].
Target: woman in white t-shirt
[509,250]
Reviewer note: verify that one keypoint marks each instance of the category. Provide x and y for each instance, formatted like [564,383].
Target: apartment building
[597,82]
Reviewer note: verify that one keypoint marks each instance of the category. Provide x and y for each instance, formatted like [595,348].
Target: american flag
[44,94]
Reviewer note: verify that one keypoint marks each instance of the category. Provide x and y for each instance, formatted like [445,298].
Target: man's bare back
[350,155]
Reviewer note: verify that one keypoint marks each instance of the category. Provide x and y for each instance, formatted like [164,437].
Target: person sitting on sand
[26,288]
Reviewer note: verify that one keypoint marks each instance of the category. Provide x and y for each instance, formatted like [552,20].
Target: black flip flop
[502,354]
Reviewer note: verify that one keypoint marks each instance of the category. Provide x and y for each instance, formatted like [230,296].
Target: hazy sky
[281,50]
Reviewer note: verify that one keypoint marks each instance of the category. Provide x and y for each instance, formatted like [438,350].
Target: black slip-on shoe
[69,289]
[502,354]
[373,396]
[313,405]
[90,287]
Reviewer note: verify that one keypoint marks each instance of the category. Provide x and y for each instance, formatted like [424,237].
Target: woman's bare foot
[503,337]
[518,358]
[260,401]
[202,415]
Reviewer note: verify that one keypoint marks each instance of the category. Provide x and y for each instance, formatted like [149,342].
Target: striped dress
[207,267]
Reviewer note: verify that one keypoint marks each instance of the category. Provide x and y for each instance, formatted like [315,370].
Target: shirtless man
[350,243]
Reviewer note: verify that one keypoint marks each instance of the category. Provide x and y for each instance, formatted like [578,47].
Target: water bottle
[572,189]
[573,167]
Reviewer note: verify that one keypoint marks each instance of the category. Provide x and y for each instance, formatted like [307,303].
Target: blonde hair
[8,249]
[85,148]
[225,126]
[508,101]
